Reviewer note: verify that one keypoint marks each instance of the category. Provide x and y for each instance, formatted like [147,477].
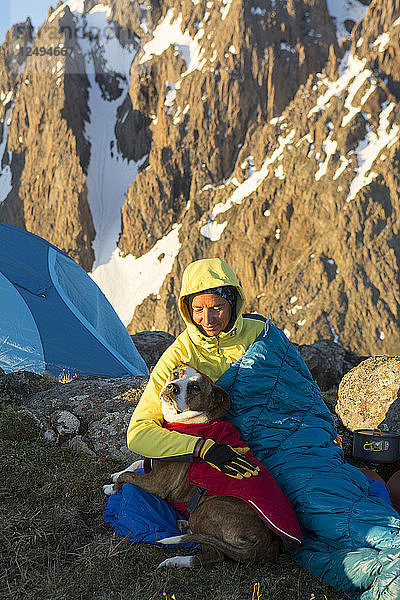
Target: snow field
[169,32]
[340,10]
[126,282]
[109,174]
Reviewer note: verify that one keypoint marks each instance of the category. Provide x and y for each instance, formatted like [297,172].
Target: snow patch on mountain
[127,281]
[329,148]
[213,230]
[344,162]
[109,173]
[353,88]
[168,32]
[5,172]
[75,6]
[244,189]
[225,8]
[381,41]
[117,58]
[342,10]
[351,68]
[369,149]
[5,98]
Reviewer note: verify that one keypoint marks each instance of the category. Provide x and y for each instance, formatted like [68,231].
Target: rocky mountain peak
[265,132]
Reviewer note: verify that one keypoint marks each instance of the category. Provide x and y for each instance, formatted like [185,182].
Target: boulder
[368,395]
[328,362]
[65,423]
[88,414]
[79,445]
[16,387]
[151,344]
[107,436]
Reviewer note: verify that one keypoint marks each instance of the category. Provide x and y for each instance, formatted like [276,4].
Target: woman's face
[210,313]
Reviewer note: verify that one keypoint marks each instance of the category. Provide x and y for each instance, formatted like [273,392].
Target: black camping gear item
[376,446]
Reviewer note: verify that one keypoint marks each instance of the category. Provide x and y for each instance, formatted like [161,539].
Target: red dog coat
[261,492]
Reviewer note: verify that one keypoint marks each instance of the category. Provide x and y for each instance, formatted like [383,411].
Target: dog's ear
[175,373]
[222,402]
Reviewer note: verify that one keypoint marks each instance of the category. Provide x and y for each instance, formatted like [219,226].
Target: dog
[225,526]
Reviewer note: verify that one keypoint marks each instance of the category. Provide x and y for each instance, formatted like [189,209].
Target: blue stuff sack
[138,516]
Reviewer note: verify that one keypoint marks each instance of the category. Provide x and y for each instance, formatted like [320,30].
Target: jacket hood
[202,275]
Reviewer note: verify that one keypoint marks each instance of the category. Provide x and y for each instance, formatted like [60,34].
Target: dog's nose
[173,388]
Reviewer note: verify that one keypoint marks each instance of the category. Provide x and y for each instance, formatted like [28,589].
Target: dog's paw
[108,489]
[177,561]
[138,464]
[114,476]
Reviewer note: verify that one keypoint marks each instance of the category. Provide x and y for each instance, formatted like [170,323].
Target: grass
[54,544]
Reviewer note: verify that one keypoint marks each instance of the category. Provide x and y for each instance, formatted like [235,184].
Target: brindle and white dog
[223,525]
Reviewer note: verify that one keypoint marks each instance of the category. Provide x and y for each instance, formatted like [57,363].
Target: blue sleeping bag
[351,539]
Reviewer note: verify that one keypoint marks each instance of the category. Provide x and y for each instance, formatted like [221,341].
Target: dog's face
[192,397]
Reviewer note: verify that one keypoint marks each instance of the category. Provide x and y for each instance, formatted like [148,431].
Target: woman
[216,335]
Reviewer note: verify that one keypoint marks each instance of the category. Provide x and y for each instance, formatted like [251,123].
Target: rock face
[369,395]
[183,130]
[203,115]
[311,233]
[46,149]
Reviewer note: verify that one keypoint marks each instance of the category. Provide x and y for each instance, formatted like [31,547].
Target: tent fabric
[53,316]
[351,539]
[21,330]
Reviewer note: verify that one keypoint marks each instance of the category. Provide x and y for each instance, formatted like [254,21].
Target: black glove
[228,460]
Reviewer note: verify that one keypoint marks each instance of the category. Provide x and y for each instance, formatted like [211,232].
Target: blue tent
[54,318]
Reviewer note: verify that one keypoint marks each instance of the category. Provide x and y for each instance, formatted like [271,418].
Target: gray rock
[328,362]
[50,435]
[108,436]
[152,344]
[80,445]
[87,398]
[65,423]
[368,395]
[16,387]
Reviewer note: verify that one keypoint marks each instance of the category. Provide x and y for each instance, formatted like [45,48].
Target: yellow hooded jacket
[210,355]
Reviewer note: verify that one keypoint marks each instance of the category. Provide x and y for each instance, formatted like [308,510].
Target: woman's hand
[226,459]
